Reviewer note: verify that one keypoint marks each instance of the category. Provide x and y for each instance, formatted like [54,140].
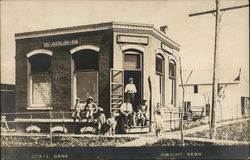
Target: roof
[116,26]
[206,76]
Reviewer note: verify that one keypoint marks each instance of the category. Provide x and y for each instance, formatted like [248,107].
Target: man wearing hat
[130,91]
[90,108]
[101,120]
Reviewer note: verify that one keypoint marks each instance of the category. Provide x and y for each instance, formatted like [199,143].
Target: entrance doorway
[136,75]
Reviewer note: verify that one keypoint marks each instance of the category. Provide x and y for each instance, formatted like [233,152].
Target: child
[77,111]
[90,108]
[140,117]
[112,124]
[158,120]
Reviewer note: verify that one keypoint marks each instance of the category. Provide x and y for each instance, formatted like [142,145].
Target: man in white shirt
[127,110]
[130,91]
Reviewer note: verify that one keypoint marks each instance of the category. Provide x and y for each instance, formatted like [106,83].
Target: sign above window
[132,39]
[61,43]
[166,48]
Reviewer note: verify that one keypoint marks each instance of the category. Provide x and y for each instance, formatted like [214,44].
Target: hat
[90,98]
[77,99]
[101,109]
[144,100]
[130,79]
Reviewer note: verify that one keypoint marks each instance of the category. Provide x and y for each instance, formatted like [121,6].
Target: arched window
[39,79]
[160,72]
[85,74]
[172,79]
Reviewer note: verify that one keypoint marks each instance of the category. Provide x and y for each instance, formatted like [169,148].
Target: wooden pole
[150,104]
[222,9]
[182,105]
[215,83]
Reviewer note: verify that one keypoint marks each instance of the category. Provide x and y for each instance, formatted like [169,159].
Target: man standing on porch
[130,91]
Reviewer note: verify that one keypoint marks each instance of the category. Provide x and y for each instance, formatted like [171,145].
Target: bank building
[56,66]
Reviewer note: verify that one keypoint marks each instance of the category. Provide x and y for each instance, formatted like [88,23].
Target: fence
[10,120]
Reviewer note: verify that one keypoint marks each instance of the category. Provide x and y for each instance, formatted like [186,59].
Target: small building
[7,98]
[54,67]
[233,92]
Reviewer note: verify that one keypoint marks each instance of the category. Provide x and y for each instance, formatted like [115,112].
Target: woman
[158,120]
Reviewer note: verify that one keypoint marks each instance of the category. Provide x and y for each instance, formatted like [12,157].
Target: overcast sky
[194,34]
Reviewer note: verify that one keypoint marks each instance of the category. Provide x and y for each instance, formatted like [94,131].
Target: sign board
[166,48]
[61,43]
[132,39]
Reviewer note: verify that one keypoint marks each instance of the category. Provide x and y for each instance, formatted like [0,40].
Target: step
[137,130]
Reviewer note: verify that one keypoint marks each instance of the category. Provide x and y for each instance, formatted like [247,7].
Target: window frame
[73,71]
[173,86]
[138,60]
[158,56]
[30,104]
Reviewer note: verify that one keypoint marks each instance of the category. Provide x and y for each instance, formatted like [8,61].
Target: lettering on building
[61,43]
[166,48]
[132,39]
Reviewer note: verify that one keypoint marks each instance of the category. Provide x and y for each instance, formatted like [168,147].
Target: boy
[77,111]
[112,124]
[90,108]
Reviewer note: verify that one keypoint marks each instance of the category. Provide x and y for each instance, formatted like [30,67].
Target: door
[136,75]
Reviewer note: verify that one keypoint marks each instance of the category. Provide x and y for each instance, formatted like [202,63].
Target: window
[159,67]
[86,83]
[85,74]
[244,105]
[39,78]
[195,88]
[159,64]
[132,62]
[172,78]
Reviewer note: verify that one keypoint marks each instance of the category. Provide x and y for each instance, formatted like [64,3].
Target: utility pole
[215,82]
[215,64]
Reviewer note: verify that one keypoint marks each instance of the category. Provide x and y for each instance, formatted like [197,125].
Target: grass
[59,141]
[177,142]
[236,132]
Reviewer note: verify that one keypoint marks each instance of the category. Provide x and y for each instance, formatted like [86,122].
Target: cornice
[116,26]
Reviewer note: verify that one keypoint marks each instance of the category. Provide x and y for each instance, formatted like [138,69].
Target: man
[90,108]
[130,91]
[127,110]
[101,120]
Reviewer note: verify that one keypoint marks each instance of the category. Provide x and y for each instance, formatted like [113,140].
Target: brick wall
[61,68]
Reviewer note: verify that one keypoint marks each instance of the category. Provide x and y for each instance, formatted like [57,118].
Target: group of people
[88,109]
[131,115]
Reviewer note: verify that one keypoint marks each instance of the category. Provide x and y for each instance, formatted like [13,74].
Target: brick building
[54,67]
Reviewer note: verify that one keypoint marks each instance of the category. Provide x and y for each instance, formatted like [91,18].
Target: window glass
[159,65]
[86,60]
[171,69]
[132,61]
[41,89]
[172,101]
[86,85]
[40,63]
[195,88]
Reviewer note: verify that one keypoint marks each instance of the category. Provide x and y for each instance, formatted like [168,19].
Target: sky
[194,34]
